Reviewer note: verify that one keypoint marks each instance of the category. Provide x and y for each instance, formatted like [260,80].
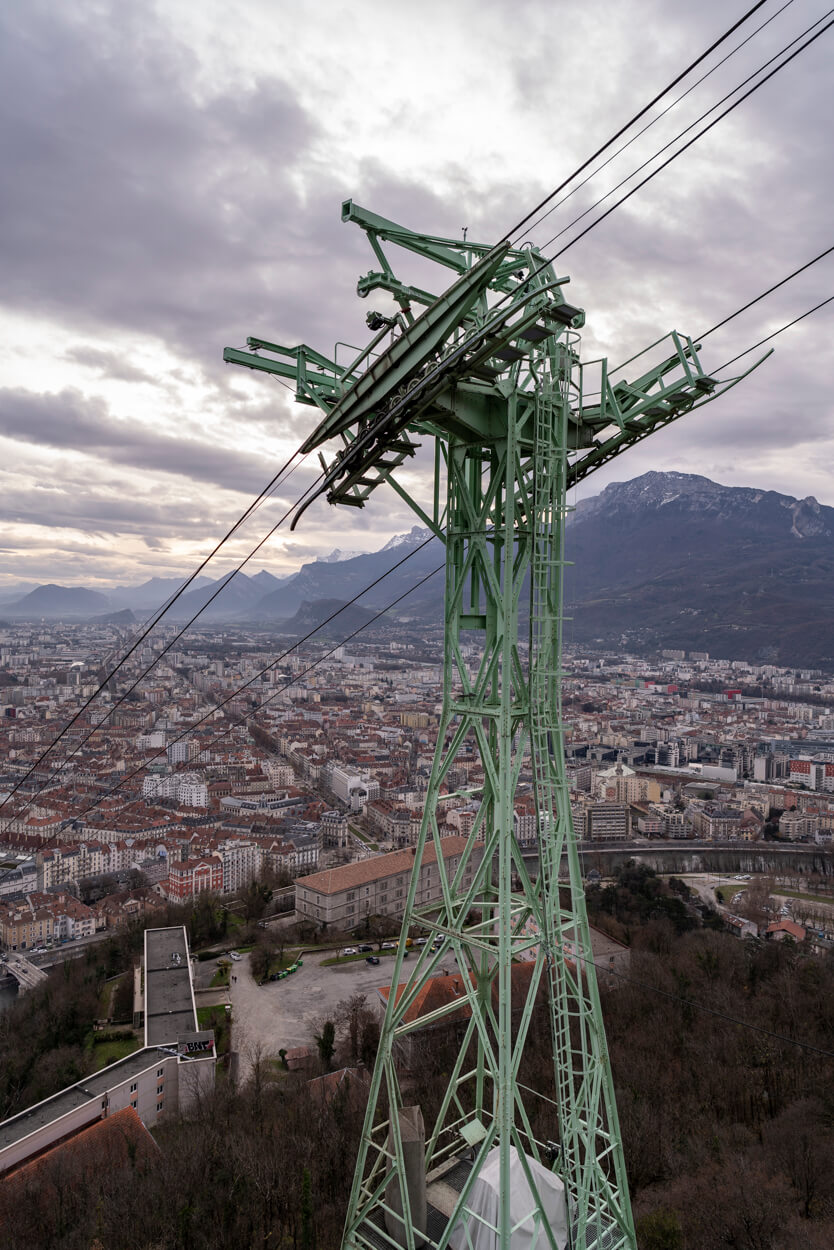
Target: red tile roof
[334,880]
[104,1145]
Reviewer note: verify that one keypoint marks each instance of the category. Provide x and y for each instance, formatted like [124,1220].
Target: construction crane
[490,370]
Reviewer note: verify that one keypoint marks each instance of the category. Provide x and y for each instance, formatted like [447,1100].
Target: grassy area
[729,889]
[363,837]
[221,976]
[808,898]
[109,1052]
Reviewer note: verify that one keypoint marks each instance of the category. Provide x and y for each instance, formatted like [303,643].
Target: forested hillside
[728,1127]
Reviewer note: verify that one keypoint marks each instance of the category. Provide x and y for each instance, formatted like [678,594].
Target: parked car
[389,946]
[235,955]
[349,950]
[372,959]
[364,949]
[420,941]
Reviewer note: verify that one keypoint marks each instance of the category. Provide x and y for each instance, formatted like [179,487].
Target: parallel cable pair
[272,664]
[686,130]
[154,620]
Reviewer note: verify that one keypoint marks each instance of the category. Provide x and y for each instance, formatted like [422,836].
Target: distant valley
[665,560]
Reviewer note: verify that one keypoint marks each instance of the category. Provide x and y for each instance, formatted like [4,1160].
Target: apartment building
[607,822]
[191,877]
[796,824]
[816,774]
[25,925]
[241,863]
[342,897]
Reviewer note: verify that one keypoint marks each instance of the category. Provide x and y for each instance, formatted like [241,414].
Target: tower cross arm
[665,409]
[456,254]
[318,380]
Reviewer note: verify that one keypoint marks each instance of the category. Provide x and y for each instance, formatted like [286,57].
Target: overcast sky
[172,181]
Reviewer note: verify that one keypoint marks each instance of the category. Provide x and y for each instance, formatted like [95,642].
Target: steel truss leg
[511,936]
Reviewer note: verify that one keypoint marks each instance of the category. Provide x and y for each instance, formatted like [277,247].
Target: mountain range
[664,560]
[675,560]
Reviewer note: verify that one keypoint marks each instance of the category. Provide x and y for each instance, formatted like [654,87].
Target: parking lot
[283,1014]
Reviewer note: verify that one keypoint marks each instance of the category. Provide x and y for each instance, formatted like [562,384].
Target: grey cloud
[143,207]
[75,422]
[96,512]
[108,364]
[152,209]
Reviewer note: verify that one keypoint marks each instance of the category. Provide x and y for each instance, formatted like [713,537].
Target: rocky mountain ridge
[663,560]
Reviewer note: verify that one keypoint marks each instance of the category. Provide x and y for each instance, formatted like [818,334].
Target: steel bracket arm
[641,427]
[404,294]
[441,250]
[322,386]
[455,254]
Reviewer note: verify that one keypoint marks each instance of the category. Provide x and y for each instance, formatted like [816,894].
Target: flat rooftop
[89,1090]
[169,999]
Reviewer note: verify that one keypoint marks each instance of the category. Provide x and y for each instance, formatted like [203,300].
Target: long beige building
[172,1070]
[343,897]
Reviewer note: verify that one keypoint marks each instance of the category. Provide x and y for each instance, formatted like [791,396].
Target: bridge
[27,974]
[692,857]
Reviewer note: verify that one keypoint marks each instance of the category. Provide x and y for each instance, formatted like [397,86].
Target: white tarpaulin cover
[470,1233]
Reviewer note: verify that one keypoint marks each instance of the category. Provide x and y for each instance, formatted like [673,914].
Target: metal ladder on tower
[590,1149]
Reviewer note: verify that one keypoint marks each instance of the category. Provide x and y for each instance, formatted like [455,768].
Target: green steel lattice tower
[491,371]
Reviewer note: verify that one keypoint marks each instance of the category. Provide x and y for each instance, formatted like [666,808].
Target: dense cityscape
[226,764]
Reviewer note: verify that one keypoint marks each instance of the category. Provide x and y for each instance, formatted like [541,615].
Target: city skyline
[172,190]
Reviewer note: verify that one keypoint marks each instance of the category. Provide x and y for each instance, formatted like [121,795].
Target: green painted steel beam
[516,420]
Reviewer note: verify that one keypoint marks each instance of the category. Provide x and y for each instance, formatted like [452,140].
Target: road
[24,971]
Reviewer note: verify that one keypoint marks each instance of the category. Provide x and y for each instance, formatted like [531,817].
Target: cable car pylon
[516,418]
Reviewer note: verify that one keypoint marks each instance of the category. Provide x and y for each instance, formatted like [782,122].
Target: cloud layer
[169,189]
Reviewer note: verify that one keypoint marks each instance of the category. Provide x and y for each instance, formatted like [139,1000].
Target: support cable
[781,329]
[670,86]
[769,291]
[654,120]
[685,130]
[130,689]
[464,344]
[725,320]
[689,142]
[151,624]
[241,720]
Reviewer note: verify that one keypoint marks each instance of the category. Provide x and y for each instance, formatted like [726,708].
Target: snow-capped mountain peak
[418,534]
[337,555]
